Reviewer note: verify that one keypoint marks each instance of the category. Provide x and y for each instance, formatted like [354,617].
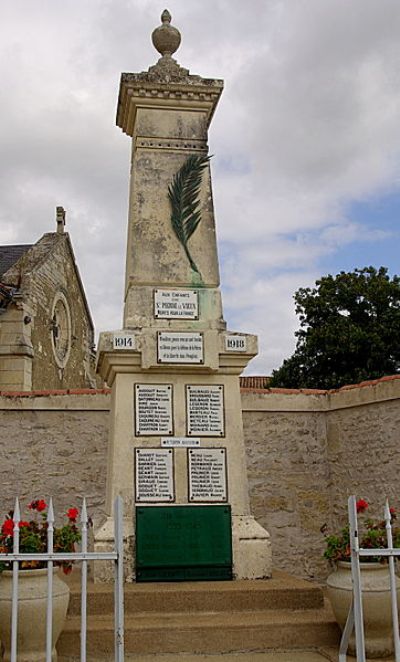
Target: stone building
[46,331]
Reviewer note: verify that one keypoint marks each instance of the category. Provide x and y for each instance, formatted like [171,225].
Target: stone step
[280,592]
[204,617]
[201,632]
[294,655]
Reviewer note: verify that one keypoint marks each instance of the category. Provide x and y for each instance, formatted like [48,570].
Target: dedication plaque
[205,411]
[154,475]
[153,409]
[180,347]
[176,304]
[207,474]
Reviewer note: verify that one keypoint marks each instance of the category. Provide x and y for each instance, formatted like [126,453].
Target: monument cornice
[141,91]
[110,363]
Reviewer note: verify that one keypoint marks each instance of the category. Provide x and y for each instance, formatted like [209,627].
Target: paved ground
[293,656]
[325,655]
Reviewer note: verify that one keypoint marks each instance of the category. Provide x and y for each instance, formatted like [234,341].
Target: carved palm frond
[183,194]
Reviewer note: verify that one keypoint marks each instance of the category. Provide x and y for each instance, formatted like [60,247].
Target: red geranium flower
[72,514]
[38,505]
[361,505]
[22,523]
[8,527]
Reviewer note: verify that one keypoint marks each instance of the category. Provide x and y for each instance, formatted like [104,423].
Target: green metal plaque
[183,543]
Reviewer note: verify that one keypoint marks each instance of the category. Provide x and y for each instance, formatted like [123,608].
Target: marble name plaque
[207,474]
[205,410]
[154,475]
[179,347]
[124,341]
[180,442]
[235,343]
[176,304]
[153,409]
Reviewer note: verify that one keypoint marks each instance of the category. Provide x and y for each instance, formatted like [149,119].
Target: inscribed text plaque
[153,409]
[205,410]
[154,475]
[180,442]
[207,474]
[180,347]
[176,304]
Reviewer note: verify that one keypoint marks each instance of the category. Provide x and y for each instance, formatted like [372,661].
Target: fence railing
[84,556]
[355,617]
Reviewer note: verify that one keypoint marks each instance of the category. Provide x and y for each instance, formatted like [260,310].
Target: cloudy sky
[306,138]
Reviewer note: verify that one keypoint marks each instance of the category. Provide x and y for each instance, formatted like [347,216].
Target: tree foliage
[349,331]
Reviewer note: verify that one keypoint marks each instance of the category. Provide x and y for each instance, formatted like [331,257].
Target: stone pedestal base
[251,550]
[103,571]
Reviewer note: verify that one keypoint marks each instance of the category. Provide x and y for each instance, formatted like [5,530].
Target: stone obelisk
[174,368]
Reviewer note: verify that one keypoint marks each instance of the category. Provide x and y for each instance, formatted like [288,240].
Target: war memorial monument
[176,452]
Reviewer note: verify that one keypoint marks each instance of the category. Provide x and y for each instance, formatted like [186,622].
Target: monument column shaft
[163,139]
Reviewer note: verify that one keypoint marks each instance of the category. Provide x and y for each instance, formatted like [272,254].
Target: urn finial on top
[166,39]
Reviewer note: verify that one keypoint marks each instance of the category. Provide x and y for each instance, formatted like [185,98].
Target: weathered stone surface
[287,468]
[307,453]
[45,272]
[50,450]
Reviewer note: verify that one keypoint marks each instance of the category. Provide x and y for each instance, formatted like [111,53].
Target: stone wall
[286,446]
[363,432]
[306,451]
[54,445]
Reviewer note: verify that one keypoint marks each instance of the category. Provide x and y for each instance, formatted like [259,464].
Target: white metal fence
[355,617]
[83,556]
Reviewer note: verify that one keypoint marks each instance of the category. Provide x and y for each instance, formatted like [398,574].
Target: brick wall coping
[244,389]
[316,391]
[368,392]
[44,393]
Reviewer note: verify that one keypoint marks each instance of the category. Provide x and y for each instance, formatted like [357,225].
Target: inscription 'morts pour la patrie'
[176,304]
[205,410]
[180,347]
[154,475]
[207,474]
[153,409]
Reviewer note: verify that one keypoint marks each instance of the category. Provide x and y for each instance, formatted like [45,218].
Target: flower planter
[376,602]
[32,601]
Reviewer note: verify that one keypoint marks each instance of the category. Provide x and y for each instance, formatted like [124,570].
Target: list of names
[207,474]
[205,411]
[153,409]
[154,475]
